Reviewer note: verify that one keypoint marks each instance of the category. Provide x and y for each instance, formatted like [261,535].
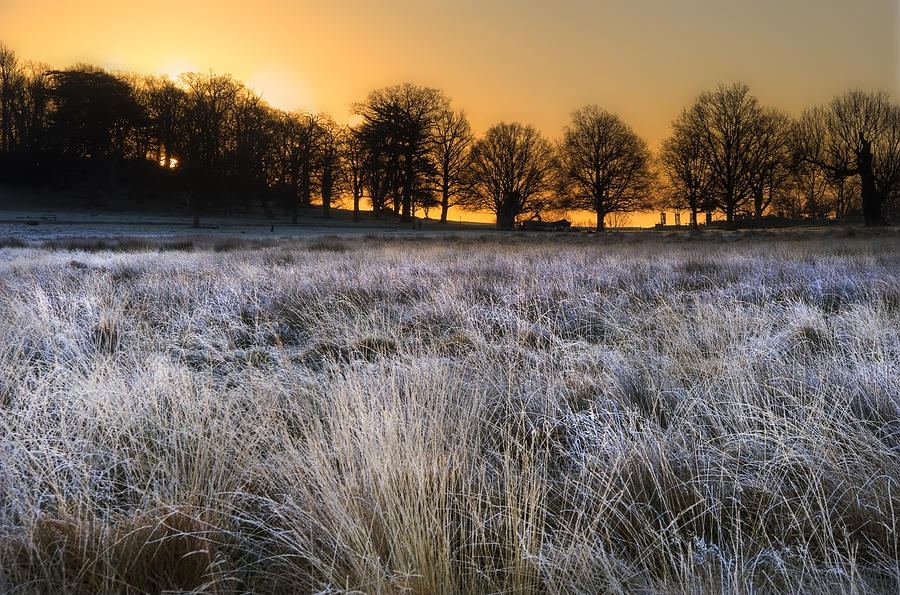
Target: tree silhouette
[165,104]
[452,142]
[685,170]
[857,134]
[771,158]
[397,129]
[604,165]
[250,142]
[31,156]
[296,145]
[210,137]
[11,82]
[353,154]
[211,102]
[330,168]
[809,193]
[512,168]
[380,172]
[728,124]
[94,114]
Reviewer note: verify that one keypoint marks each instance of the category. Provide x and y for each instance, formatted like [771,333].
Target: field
[513,413]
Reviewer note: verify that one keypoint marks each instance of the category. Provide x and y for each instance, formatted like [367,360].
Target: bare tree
[211,101]
[250,147]
[397,127]
[308,131]
[11,81]
[354,160]
[329,163]
[451,145]
[686,173]
[93,118]
[604,165]
[512,167]
[380,174]
[771,160]
[809,193]
[857,134]
[727,125]
[846,195]
[295,144]
[31,108]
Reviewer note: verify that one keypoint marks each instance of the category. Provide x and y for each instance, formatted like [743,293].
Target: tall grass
[429,416]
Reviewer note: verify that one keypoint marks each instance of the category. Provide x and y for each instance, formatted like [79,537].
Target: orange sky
[498,59]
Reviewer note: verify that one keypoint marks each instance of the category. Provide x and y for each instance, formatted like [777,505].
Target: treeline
[208,143]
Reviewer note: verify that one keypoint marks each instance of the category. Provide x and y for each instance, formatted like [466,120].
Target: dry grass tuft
[160,550]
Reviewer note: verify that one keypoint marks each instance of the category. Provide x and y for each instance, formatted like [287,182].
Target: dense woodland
[206,144]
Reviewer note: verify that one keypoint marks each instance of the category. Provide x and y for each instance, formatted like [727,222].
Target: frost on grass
[434,416]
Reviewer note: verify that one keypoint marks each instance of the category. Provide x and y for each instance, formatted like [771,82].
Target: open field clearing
[48,225]
[524,413]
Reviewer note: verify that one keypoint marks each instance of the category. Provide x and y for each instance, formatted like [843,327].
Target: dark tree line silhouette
[207,144]
[730,154]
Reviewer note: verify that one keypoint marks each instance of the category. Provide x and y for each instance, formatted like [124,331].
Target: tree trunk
[506,219]
[112,172]
[601,221]
[326,203]
[305,192]
[264,203]
[729,216]
[445,205]
[356,206]
[406,215]
[94,180]
[195,211]
[871,198]
[842,207]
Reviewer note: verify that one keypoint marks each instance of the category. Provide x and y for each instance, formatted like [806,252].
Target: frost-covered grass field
[597,414]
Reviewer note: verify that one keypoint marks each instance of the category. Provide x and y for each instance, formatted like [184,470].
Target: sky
[500,60]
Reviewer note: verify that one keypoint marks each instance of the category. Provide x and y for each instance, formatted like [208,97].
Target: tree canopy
[604,165]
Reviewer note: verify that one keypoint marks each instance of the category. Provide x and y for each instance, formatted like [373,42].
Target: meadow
[509,414]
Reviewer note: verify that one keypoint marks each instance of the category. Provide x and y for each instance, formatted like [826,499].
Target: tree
[250,147]
[93,117]
[512,168]
[397,129]
[32,111]
[380,173]
[165,104]
[857,134]
[329,163]
[353,156]
[295,146]
[809,193]
[210,110]
[845,195]
[452,141]
[685,169]
[727,124]
[771,160]
[604,165]
[11,81]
